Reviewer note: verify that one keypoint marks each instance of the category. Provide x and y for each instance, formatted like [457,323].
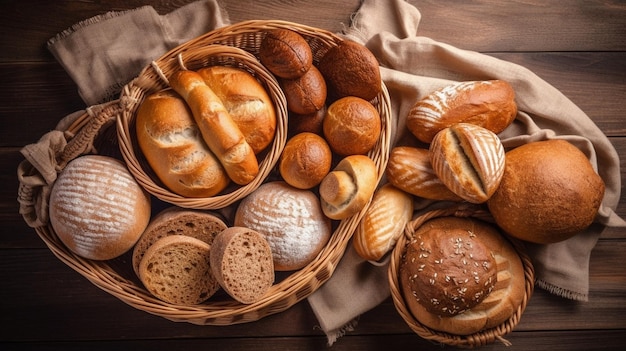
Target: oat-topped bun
[460,276]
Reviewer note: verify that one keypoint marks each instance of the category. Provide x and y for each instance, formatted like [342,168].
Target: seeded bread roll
[285,53]
[176,269]
[97,209]
[177,221]
[461,276]
[489,104]
[290,219]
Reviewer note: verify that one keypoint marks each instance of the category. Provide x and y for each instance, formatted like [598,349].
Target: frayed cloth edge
[562,292]
[334,335]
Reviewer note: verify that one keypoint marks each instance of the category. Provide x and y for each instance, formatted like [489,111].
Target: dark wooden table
[578,46]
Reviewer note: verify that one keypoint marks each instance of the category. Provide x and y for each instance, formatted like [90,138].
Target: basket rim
[479,338]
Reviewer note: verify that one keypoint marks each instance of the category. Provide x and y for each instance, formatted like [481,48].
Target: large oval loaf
[469,160]
[489,104]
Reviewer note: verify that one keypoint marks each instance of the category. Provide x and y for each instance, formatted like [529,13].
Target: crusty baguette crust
[218,128]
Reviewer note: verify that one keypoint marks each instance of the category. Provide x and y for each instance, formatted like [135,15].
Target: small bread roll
[97,209]
[305,94]
[176,269]
[291,221]
[305,161]
[489,104]
[285,53]
[349,187]
[247,102]
[469,160]
[561,184]
[351,126]
[241,261]
[461,276]
[311,122]
[350,69]
[383,223]
[410,170]
[172,144]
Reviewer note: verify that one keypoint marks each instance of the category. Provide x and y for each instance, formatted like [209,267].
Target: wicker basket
[95,132]
[465,341]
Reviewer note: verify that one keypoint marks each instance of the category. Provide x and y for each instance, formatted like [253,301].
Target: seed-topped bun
[460,276]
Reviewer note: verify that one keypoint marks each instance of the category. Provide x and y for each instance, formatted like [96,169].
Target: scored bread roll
[349,187]
[285,53]
[410,170]
[241,261]
[176,269]
[305,94]
[489,104]
[218,129]
[383,223]
[461,276]
[97,209]
[291,221]
[172,144]
[469,160]
[561,184]
[305,161]
[351,126]
[177,221]
[247,102]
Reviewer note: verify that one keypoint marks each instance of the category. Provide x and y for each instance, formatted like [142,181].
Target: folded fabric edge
[561,292]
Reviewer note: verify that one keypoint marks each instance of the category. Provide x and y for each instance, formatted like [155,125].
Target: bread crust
[305,161]
[285,53]
[352,126]
[305,94]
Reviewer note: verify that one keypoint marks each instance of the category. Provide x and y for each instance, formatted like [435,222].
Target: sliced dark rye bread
[177,221]
[176,269]
[241,260]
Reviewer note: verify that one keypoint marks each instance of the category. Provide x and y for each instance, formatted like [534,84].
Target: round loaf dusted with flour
[97,208]
[489,104]
[290,219]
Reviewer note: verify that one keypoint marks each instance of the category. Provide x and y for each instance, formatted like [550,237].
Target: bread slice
[176,269]
[241,260]
[177,221]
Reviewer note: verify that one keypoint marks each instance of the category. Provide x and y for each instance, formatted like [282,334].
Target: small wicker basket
[95,132]
[483,337]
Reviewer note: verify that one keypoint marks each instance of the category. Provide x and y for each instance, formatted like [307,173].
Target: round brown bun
[311,122]
[290,219]
[350,69]
[285,53]
[247,102]
[305,161]
[461,276]
[97,208]
[549,192]
[351,126]
[305,94]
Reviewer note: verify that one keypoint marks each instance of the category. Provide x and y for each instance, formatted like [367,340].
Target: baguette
[218,128]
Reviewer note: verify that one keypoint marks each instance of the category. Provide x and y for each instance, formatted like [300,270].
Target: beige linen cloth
[103,53]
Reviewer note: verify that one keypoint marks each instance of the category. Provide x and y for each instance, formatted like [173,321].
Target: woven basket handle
[45,159]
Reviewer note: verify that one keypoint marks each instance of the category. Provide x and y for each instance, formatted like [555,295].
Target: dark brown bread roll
[285,53]
[305,94]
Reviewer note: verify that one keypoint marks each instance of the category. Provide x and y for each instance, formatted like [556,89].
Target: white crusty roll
[247,102]
[383,223]
[218,128]
[469,160]
[170,140]
[291,221]
[489,104]
[461,276]
[97,208]
[349,187]
[410,170]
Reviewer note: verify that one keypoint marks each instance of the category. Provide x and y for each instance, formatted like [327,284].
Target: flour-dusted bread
[97,208]
[241,260]
[176,269]
[174,220]
[290,219]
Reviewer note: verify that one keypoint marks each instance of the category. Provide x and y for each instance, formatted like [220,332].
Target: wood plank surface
[578,46]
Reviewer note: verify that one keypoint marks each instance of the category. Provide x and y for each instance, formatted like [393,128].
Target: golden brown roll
[351,126]
[461,276]
[305,94]
[305,161]
[350,69]
[247,102]
[560,183]
[489,104]
[285,53]
[172,144]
